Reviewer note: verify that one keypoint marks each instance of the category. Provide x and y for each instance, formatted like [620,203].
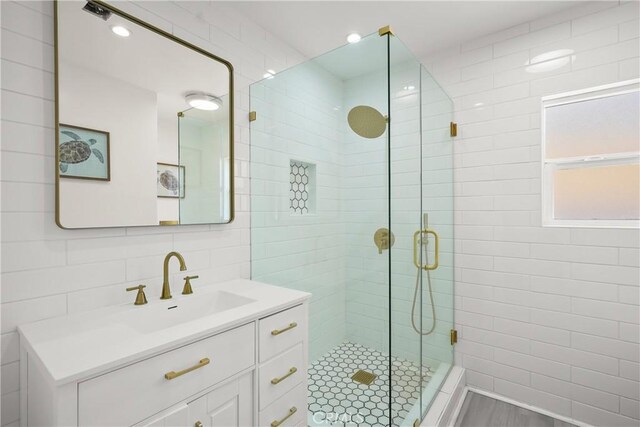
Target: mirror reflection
[144,124]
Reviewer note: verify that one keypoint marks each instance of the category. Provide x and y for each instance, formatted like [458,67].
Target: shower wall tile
[50,272]
[565,295]
[298,123]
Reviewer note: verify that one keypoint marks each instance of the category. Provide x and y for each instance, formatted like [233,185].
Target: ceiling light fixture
[96,10]
[203,101]
[550,61]
[354,38]
[121,31]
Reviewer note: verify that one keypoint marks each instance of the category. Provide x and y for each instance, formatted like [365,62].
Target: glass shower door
[347,153]
[421,218]
[319,220]
[407,373]
[436,117]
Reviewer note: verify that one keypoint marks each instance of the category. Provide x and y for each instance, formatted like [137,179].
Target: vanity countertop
[78,346]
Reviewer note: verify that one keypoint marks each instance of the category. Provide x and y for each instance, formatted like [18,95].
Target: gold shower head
[367,121]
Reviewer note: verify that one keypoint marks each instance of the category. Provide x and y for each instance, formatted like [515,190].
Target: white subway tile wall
[547,316]
[299,122]
[529,300]
[49,272]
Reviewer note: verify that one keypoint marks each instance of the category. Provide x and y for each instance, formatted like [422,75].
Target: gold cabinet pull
[197,424]
[417,237]
[292,411]
[284,377]
[279,331]
[173,374]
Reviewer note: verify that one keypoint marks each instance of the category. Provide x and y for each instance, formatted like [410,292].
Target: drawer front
[283,407]
[130,394]
[281,374]
[282,331]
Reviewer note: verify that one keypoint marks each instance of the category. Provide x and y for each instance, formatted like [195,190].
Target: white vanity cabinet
[248,372]
[141,389]
[282,372]
[229,405]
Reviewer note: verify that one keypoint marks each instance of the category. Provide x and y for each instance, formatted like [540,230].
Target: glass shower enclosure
[351,200]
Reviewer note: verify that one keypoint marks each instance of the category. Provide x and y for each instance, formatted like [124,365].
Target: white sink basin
[80,345]
[181,310]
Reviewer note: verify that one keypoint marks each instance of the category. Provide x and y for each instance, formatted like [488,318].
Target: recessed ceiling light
[203,101]
[354,38]
[121,31]
[269,74]
[409,87]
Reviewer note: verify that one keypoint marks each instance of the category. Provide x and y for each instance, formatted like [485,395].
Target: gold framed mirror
[144,123]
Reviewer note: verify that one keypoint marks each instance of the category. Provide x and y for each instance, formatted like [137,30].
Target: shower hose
[415,300]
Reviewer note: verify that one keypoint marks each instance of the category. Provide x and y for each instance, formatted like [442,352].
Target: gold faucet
[166,290]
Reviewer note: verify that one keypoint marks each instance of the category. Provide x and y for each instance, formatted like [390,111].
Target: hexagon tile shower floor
[333,393]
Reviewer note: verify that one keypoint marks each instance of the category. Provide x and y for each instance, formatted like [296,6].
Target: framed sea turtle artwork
[83,153]
[171,180]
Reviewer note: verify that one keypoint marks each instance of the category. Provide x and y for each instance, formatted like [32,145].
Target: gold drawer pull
[279,331]
[292,411]
[284,377]
[173,374]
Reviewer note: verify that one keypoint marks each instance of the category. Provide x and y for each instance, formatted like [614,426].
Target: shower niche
[363,132]
[302,187]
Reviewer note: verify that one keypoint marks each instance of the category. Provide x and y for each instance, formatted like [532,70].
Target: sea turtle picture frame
[83,153]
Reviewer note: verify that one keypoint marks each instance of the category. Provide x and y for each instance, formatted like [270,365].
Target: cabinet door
[230,405]
[179,417]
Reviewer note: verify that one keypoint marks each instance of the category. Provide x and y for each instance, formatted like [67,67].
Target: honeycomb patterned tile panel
[333,393]
[299,187]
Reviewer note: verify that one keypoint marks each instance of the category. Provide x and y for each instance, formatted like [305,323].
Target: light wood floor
[482,411]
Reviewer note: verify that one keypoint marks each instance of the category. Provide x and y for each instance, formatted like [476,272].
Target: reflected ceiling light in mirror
[269,74]
[121,31]
[354,38]
[550,61]
[203,101]
[409,87]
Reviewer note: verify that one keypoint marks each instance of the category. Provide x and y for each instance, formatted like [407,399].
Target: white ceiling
[315,27]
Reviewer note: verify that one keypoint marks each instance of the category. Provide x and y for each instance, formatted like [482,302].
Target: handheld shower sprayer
[423,249]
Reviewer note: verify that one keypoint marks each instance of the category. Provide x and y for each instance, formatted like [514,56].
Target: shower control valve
[383,239]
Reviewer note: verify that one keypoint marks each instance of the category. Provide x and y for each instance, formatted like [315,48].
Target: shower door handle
[417,239]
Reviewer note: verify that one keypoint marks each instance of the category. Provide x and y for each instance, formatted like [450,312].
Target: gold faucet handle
[141,298]
[187,290]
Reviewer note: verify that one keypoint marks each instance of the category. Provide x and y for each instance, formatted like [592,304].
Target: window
[591,157]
